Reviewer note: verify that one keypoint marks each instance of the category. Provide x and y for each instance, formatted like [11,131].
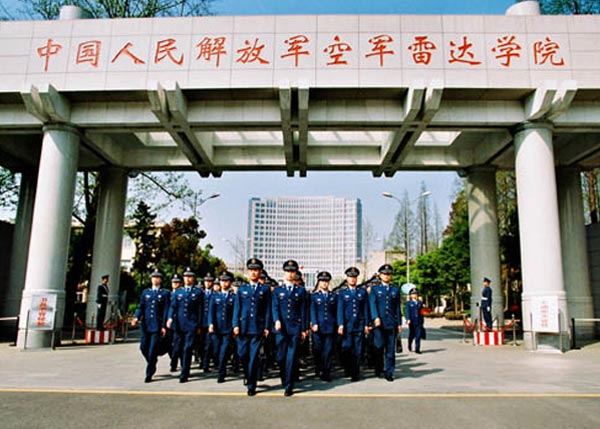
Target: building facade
[321,233]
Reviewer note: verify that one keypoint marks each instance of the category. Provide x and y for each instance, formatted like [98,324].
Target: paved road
[451,385]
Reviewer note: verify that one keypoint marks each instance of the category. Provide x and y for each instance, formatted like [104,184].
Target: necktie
[325,293]
[187,288]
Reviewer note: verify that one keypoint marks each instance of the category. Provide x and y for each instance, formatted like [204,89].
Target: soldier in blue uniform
[101,302]
[486,302]
[352,315]
[251,322]
[204,343]
[220,318]
[414,319]
[176,343]
[289,318]
[185,317]
[152,311]
[386,315]
[323,317]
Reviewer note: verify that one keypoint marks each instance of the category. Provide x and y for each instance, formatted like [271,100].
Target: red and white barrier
[488,338]
[99,337]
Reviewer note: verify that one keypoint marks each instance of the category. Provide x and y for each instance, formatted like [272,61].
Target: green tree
[570,7]
[143,234]
[9,190]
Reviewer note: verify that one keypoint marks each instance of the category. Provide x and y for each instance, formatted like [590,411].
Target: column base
[546,343]
[37,340]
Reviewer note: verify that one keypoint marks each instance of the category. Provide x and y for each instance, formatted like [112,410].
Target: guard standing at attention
[289,318]
[185,316]
[220,318]
[386,315]
[352,315]
[323,316]
[101,302]
[486,302]
[152,311]
[251,321]
[414,319]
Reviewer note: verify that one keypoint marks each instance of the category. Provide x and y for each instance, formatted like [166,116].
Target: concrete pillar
[539,228]
[11,298]
[483,240]
[108,239]
[50,228]
[574,248]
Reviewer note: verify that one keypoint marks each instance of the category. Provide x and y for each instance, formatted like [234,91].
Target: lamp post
[407,239]
[198,201]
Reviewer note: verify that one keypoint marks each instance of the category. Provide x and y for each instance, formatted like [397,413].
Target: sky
[225,218]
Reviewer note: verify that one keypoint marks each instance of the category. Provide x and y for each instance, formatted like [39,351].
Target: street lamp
[392,196]
[198,201]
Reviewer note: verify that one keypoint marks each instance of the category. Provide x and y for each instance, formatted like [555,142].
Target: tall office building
[321,233]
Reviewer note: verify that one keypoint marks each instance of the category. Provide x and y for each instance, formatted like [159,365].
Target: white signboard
[544,312]
[42,312]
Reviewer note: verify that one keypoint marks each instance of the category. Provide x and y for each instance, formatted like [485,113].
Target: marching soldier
[176,343]
[101,302]
[289,317]
[352,315]
[185,316]
[220,318]
[204,345]
[152,311]
[251,322]
[323,315]
[386,315]
[414,319]
[486,302]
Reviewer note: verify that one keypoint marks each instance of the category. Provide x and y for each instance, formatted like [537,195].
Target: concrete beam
[578,149]
[285,107]
[411,107]
[104,146]
[491,147]
[303,103]
[539,103]
[562,99]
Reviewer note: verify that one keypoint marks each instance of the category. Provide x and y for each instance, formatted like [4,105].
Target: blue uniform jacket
[220,312]
[385,303]
[486,297]
[252,310]
[153,309]
[413,312]
[323,312]
[208,293]
[352,310]
[290,309]
[186,309]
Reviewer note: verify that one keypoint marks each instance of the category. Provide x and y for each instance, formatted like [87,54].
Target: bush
[131,308]
[453,316]
[433,315]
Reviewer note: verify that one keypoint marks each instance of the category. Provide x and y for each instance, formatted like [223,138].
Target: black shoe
[183,380]
[410,348]
[221,380]
[148,379]
[173,369]
[288,392]
[251,392]
[418,352]
[389,377]
[355,378]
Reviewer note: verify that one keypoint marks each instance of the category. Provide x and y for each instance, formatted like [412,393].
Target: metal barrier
[9,319]
[573,332]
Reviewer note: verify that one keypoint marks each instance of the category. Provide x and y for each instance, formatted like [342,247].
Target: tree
[50,9]
[143,234]
[9,190]
[570,7]
[423,219]
[403,230]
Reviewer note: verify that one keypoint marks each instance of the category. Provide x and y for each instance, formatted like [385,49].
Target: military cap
[189,272]
[176,278]
[209,277]
[254,264]
[298,275]
[105,277]
[226,275]
[156,273]
[290,265]
[413,290]
[324,275]
[485,279]
[352,272]
[385,269]
[263,275]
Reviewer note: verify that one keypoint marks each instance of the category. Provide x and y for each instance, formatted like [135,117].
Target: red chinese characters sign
[506,51]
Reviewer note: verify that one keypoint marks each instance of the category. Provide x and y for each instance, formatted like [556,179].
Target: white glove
[99,305]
